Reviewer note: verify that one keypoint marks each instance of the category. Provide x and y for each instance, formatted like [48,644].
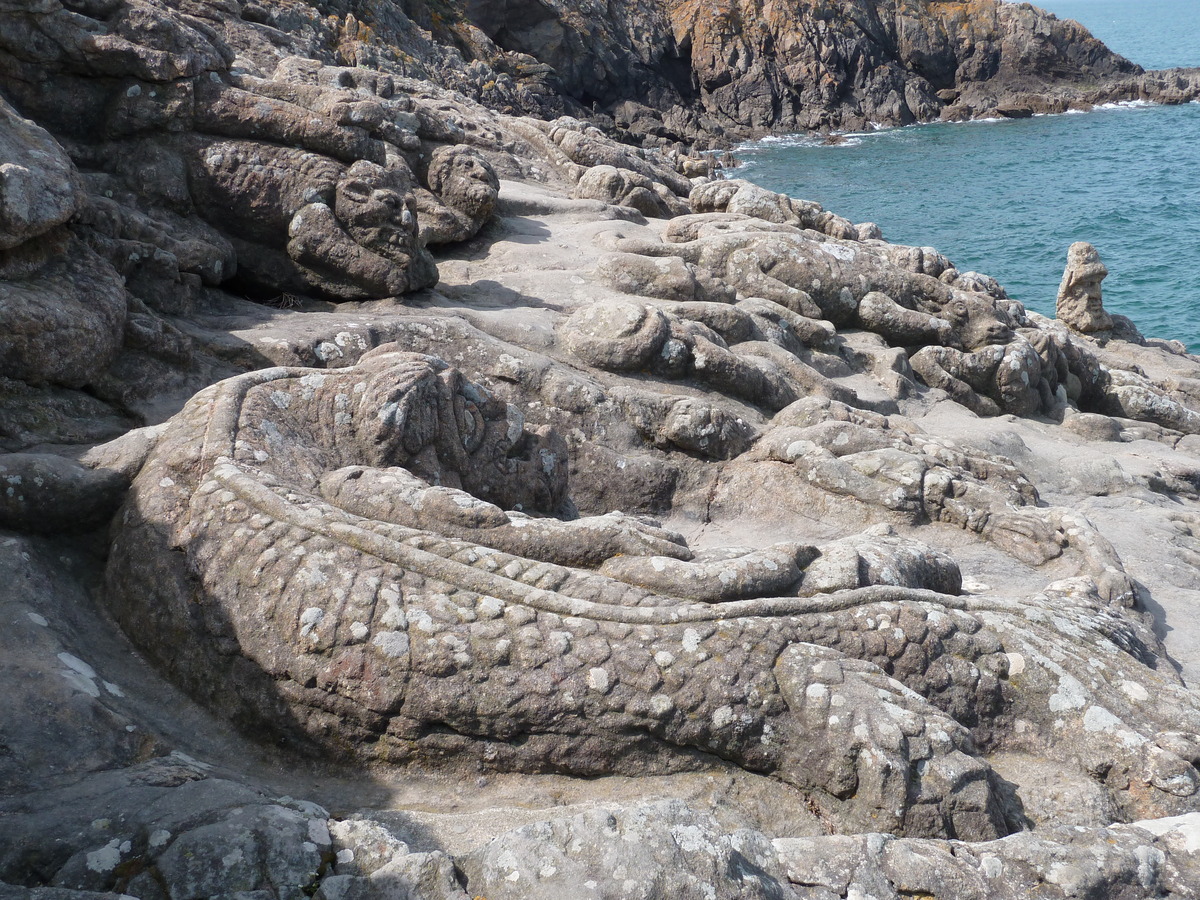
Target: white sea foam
[777,141]
[1127,104]
[843,139]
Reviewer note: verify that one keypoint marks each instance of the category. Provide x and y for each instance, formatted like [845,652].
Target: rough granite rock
[536,504]
[39,188]
[666,850]
[1145,860]
[167,822]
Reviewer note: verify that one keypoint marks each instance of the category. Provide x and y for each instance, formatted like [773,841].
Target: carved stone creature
[748,199]
[587,147]
[890,465]
[464,189]
[339,579]
[304,222]
[337,554]
[815,277]
[993,380]
[62,311]
[962,342]
[627,336]
[1080,304]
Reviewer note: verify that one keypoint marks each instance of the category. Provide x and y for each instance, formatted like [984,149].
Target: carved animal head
[416,413]
[977,320]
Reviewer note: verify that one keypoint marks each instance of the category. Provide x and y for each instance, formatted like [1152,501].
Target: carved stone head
[977,320]
[464,181]
[414,412]
[1080,304]
[367,244]
[376,207]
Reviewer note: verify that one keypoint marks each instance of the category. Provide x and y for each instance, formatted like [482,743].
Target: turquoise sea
[1008,197]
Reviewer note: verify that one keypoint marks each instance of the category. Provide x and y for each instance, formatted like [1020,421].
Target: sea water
[1008,197]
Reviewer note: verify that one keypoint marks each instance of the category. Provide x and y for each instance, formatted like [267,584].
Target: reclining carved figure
[362,559]
[967,343]
[342,558]
[306,223]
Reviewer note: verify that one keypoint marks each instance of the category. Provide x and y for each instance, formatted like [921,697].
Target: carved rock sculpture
[379,635]
[626,188]
[1080,304]
[306,223]
[462,196]
[929,632]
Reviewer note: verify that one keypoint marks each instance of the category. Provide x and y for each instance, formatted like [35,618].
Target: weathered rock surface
[671,70]
[558,509]
[39,187]
[659,851]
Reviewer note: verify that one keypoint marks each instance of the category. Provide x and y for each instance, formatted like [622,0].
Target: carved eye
[358,189]
[387,198]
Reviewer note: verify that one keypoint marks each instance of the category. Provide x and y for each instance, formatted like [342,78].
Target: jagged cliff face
[849,62]
[706,72]
[668,70]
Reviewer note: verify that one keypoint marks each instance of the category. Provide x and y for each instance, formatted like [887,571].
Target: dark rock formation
[670,70]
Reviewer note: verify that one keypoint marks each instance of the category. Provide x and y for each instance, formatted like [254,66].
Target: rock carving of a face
[1080,301]
[377,209]
[978,321]
[464,180]
[448,430]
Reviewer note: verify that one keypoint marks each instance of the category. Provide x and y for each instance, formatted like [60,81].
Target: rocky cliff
[402,497]
[699,72]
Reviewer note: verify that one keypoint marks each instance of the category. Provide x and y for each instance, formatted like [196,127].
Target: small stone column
[1079,303]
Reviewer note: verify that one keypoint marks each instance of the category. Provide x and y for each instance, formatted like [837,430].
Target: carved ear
[397,412]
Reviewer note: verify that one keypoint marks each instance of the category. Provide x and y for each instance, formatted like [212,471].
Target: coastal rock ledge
[403,495]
